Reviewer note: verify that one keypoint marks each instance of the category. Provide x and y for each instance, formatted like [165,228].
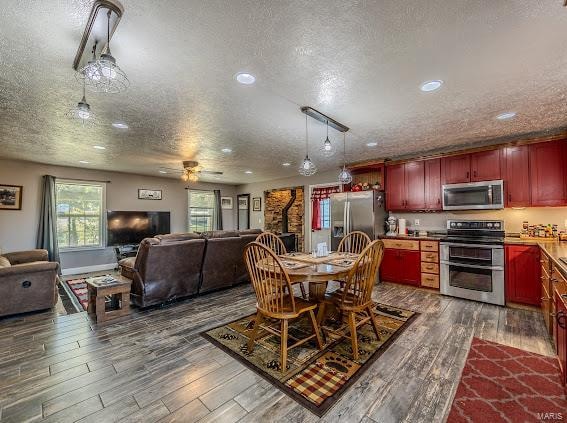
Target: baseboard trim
[88,269]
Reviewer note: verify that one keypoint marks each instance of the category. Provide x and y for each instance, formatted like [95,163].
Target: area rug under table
[506,384]
[79,289]
[315,378]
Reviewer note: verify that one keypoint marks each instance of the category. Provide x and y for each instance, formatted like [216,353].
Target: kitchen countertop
[555,250]
[432,237]
[513,240]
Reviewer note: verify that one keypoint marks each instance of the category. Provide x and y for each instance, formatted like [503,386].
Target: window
[325,213]
[202,211]
[80,217]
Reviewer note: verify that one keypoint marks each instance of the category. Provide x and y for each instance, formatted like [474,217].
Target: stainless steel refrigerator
[357,211]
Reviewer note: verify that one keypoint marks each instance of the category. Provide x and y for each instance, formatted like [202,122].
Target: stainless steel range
[472,260]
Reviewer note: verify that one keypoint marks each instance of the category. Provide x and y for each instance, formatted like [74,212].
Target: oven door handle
[471,266]
[488,247]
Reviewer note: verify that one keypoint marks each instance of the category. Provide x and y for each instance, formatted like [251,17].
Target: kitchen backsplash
[512,218]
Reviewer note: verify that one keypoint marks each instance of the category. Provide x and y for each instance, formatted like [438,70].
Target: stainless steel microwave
[486,195]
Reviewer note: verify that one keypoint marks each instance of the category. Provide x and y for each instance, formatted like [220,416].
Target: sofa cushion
[178,237]
[4,262]
[220,234]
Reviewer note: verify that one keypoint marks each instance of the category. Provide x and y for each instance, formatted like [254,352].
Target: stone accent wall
[275,201]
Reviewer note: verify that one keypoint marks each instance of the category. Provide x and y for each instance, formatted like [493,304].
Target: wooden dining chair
[275,299]
[354,243]
[274,243]
[354,301]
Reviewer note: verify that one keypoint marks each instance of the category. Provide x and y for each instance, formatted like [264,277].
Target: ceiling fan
[191,171]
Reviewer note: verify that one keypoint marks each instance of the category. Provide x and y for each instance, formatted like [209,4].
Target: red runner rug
[505,384]
[79,289]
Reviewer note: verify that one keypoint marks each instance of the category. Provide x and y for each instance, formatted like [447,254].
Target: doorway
[243,204]
[323,232]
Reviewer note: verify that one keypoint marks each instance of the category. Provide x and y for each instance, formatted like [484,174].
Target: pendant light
[82,112]
[105,75]
[327,148]
[307,167]
[344,175]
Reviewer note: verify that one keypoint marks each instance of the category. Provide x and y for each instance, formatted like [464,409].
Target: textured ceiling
[361,62]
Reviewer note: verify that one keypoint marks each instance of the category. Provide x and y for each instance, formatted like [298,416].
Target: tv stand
[123,251]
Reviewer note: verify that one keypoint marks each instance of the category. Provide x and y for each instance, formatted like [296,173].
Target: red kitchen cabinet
[486,166]
[389,266]
[415,185]
[433,184]
[523,271]
[517,176]
[401,266]
[547,174]
[456,169]
[561,336]
[395,187]
[405,186]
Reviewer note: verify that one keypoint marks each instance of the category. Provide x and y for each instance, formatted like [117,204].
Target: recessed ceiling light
[120,125]
[99,147]
[371,144]
[226,150]
[83,162]
[506,115]
[286,164]
[245,78]
[248,172]
[429,86]
[162,171]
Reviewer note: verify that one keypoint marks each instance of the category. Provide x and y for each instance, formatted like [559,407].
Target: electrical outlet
[416,222]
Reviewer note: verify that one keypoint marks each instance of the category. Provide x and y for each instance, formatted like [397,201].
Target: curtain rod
[83,180]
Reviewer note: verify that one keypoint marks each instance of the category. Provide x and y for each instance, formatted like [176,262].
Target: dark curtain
[47,230]
[218,211]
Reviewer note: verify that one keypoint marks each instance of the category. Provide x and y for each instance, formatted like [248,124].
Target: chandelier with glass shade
[307,167]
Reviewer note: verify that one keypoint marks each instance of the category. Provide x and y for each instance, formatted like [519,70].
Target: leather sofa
[28,282]
[181,265]
[166,267]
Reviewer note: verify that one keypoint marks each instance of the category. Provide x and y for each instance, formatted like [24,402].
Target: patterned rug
[79,289]
[505,384]
[315,378]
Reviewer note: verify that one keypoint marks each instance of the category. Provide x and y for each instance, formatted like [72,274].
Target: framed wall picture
[243,202]
[149,194]
[11,197]
[226,203]
[257,204]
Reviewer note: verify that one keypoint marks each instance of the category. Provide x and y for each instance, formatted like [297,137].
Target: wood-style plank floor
[156,366]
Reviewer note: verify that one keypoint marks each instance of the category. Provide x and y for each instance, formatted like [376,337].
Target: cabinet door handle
[509,197]
[438,201]
[468,173]
[474,173]
[560,318]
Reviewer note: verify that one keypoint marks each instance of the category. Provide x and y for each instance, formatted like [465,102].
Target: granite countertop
[429,237]
[528,241]
[555,250]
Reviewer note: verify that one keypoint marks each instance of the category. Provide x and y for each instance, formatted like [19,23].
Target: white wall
[18,228]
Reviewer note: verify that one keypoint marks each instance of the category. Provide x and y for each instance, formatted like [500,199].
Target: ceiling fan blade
[211,172]
[169,169]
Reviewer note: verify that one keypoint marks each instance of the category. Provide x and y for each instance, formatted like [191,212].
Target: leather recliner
[166,267]
[28,282]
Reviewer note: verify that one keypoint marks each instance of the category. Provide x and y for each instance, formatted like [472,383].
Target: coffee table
[117,288]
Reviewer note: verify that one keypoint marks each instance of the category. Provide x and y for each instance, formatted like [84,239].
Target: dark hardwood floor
[156,366]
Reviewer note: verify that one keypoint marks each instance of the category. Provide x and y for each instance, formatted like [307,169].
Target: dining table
[317,271]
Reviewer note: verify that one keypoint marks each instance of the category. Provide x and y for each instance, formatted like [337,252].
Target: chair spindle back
[355,242]
[361,278]
[273,242]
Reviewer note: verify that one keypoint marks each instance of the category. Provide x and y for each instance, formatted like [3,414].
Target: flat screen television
[131,227]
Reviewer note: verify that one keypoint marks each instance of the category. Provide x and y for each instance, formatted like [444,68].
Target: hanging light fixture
[344,175]
[82,112]
[327,148]
[104,75]
[307,167]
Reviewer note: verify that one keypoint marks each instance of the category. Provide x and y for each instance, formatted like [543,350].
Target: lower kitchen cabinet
[401,266]
[523,274]
[561,336]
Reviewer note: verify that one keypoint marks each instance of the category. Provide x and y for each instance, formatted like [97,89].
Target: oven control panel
[483,225]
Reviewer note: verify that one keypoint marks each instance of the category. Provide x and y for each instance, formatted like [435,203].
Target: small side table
[115,287]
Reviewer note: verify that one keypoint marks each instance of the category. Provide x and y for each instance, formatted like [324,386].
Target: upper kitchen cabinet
[486,166]
[456,169]
[474,167]
[405,186]
[433,184]
[547,173]
[517,176]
